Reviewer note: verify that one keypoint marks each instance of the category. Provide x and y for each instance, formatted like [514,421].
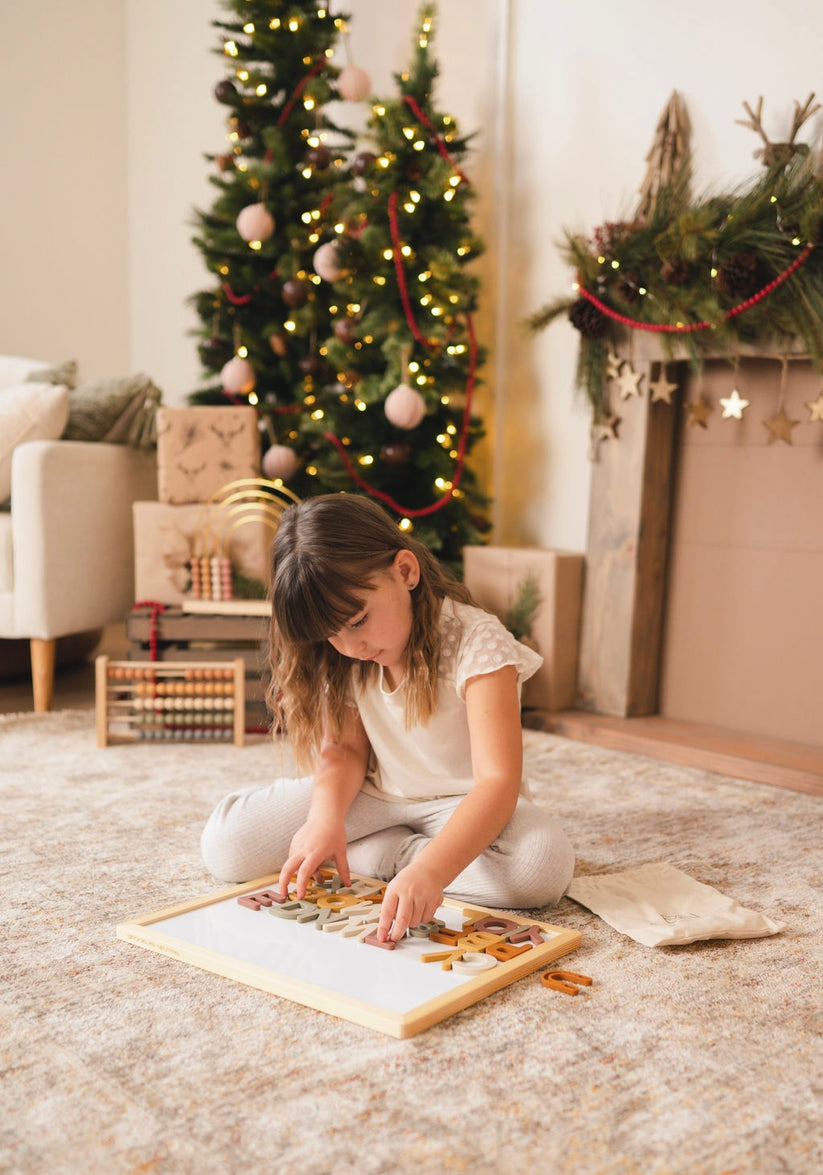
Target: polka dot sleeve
[486,645]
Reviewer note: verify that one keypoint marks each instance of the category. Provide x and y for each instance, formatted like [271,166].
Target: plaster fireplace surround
[702,627]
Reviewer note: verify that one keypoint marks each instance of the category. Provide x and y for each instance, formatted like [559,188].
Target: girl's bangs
[314,608]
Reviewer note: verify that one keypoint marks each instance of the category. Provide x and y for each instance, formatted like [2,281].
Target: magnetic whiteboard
[392,991]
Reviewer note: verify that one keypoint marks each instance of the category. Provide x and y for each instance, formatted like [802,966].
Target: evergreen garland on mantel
[710,276]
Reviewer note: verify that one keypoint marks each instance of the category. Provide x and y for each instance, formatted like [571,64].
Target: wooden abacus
[170,701]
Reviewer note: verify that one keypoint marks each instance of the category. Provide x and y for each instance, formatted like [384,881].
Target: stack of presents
[202,536]
[209,529]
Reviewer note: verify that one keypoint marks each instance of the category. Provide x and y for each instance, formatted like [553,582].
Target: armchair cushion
[110,410]
[29,412]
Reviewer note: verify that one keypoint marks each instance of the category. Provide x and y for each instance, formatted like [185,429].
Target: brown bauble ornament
[226,92]
[319,158]
[344,330]
[396,454]
[295,293]
[279,344]
[214,352]
[312,365]
[363,162]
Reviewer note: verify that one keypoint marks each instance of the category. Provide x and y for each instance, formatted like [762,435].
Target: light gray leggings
[529,865]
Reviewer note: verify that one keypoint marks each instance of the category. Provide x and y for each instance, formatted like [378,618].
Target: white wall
[63,157]
[108,109]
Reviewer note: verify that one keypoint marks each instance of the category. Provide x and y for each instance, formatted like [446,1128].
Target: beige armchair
[66,543]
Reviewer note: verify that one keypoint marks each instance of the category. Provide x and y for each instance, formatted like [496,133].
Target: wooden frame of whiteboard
[146,931]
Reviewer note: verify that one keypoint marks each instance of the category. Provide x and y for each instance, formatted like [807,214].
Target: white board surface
[391,990]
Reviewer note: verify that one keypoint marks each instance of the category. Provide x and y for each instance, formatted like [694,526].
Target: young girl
[402,700]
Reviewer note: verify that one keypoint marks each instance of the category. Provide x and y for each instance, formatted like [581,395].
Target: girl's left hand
[411,897]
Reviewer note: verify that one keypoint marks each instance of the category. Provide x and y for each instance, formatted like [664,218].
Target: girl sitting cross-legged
[401,700]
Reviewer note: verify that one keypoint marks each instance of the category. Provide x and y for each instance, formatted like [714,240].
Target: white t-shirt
[434,760]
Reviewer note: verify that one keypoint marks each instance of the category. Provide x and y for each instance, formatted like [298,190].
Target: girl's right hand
[316,843]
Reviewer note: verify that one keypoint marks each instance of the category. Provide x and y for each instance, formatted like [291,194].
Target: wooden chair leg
[42,672]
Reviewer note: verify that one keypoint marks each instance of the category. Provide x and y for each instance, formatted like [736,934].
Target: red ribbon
[438,142]
[155,610]
[401,273]
[298,90]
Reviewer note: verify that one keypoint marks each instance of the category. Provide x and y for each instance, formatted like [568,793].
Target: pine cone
[740,276]
[628,288]
[674,273]
[591,322]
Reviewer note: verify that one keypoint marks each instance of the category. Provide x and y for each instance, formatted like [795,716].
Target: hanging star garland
[629,382]
[733,406]
[699,411]
[816,408]
[661,389]
[779,427]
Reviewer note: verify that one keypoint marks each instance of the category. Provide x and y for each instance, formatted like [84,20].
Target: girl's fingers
[285,876]
[387,913]
[342,866]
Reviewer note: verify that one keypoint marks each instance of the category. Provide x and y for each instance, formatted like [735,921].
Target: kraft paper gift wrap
[164,542]
[496,575]
[200,450]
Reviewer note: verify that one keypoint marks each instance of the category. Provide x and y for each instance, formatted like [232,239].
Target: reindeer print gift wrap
[199,450]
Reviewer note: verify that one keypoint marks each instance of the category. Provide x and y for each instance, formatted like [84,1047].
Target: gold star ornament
[780,427]
[661,389]
[699,411]
[613,364]
[629,382]
[604,430]
[815,408]
[733,406]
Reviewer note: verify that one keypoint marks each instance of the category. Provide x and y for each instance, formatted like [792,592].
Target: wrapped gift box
[165,538]
[199,450]
[500,577]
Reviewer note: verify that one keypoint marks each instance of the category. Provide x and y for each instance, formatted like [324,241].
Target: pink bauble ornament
[280,463]
[327,262]
[404,407]
[238,376]
[353,84]
[255,223]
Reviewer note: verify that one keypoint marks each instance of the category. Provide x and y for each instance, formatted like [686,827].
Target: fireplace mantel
[629,517]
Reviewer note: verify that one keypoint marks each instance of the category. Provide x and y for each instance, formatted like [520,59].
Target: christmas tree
[397,422]
[343,300]
[264,317]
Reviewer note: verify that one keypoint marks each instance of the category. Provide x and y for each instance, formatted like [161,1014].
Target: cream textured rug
[701,1059]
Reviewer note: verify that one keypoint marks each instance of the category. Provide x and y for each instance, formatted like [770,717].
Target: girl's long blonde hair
[325,555]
